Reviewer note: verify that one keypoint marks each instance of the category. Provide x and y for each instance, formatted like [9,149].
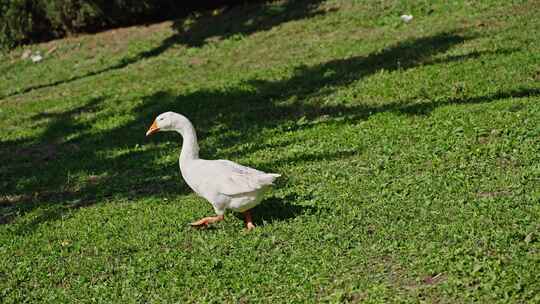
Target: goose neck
[190,147]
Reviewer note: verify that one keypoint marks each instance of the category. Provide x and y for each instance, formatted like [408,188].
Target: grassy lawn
[409,154]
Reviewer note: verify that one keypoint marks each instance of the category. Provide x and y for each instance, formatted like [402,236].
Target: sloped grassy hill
[409,154]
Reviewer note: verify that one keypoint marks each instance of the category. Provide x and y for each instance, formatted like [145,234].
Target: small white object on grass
[406,18]
[36,57]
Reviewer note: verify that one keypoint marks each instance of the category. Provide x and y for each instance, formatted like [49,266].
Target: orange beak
[153,129]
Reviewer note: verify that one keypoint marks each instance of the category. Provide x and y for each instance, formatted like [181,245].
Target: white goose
[225,184]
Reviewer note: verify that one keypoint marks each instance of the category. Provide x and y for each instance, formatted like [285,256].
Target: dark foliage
[24,21]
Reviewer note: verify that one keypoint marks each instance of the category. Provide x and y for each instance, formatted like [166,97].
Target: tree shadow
[242,20]
[45,172]
[246,110]
[281,102]
[426,107]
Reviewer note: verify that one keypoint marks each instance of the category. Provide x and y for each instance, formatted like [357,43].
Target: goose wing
[230,178]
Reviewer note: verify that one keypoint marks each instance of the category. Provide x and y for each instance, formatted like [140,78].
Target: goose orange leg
[205,221]
[248,220]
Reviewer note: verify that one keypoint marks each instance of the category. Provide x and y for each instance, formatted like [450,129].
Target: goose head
[169,121]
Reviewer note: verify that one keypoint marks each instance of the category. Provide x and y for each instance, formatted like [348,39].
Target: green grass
[409,155]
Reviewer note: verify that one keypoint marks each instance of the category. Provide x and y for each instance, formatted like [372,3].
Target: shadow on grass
[240,21]
[48,169]
[277,209]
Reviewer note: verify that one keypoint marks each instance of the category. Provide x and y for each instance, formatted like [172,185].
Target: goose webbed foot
[205,221]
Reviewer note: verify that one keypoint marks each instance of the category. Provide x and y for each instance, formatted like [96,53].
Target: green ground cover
[409,155]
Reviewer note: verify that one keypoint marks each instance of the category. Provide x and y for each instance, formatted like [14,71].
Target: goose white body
[225,184]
